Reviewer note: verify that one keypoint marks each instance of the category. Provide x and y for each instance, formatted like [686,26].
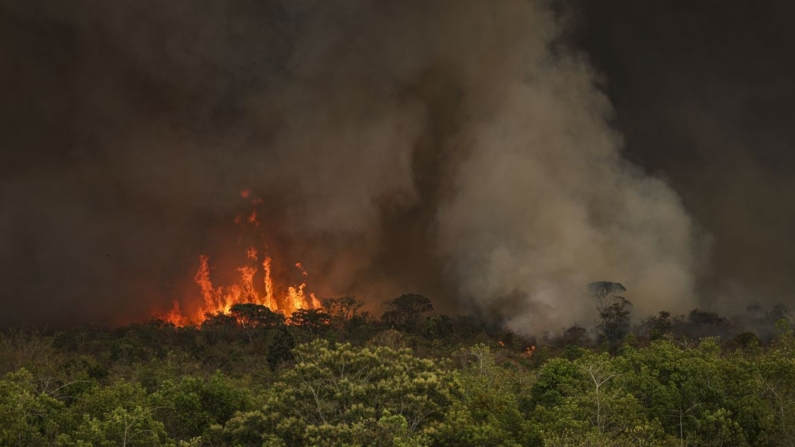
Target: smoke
[451,148]
[703,92]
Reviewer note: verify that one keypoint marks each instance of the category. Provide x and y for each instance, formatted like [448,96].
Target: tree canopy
[335,376]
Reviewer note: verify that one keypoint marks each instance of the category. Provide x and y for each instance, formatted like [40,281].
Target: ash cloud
[452,148]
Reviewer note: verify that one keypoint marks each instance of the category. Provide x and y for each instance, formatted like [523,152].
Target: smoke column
[452,148]
[703,93]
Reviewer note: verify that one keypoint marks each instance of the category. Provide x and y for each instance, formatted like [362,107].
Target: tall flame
[266,268]
[220,299]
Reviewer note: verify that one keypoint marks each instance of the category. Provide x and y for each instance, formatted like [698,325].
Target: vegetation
[336,376]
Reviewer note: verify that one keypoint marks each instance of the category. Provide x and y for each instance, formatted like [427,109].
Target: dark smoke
[454,148]
[704,96]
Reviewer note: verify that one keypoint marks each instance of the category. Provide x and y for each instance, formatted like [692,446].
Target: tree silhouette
[404,311]
[614,310]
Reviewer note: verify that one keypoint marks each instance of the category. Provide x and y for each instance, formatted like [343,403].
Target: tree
[256,315]
[489,410]
[778,383]
[25,347]
[699,396]
[27,418]
[583,402]
[404,311]
[280,348]
[438,327]
[605,292]
[614,310]
[190,406]
[338,395]
[253,317]
[657,327]
[575,336]
[115,415]
[341,310]
[121,427]
[314,321]
[615,320]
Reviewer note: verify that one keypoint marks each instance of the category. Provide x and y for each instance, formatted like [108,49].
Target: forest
[339,376]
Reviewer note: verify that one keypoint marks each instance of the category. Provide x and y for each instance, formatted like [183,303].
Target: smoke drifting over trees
[703,93]
[458,149]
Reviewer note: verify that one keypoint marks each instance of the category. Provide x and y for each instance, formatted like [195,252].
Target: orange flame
[220,299]
[266,268]
[296,294]
[252,219]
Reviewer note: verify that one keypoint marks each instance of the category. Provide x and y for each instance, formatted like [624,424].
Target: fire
[254,285]
[266,268]
[252,219]
[529,351]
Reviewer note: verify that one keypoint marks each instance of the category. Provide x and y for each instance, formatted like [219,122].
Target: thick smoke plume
[703,92]
[452,148]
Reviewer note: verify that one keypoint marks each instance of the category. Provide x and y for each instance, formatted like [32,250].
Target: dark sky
[126,132]
[704,93]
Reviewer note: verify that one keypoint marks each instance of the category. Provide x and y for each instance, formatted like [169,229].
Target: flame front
[220,299]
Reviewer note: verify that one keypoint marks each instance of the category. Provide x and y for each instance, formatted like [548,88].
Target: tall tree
[341,395]
[341,310]
[614,310]
[615,320]
[314,321]
[605,293]
[404,311]
[253,317]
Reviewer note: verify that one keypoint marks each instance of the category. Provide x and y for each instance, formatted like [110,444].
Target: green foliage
[27,418]
[189,408]
[615,320]
[136,427]
[658,326]
[614,310]
[280,348]
[246,379]
[489,410]
[335,392]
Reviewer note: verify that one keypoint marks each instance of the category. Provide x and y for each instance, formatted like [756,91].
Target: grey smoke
[450,148]
[703,93]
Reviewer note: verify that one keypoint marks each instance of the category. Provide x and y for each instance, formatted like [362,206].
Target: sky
[703,95]
[494,156]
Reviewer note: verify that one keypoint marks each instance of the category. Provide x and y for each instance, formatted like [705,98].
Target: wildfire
[254,285]
[252,219]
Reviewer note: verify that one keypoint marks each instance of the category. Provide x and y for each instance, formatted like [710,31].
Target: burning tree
[255,286]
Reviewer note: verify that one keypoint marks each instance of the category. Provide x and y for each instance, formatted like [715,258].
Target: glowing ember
[252,219]
[247,289]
